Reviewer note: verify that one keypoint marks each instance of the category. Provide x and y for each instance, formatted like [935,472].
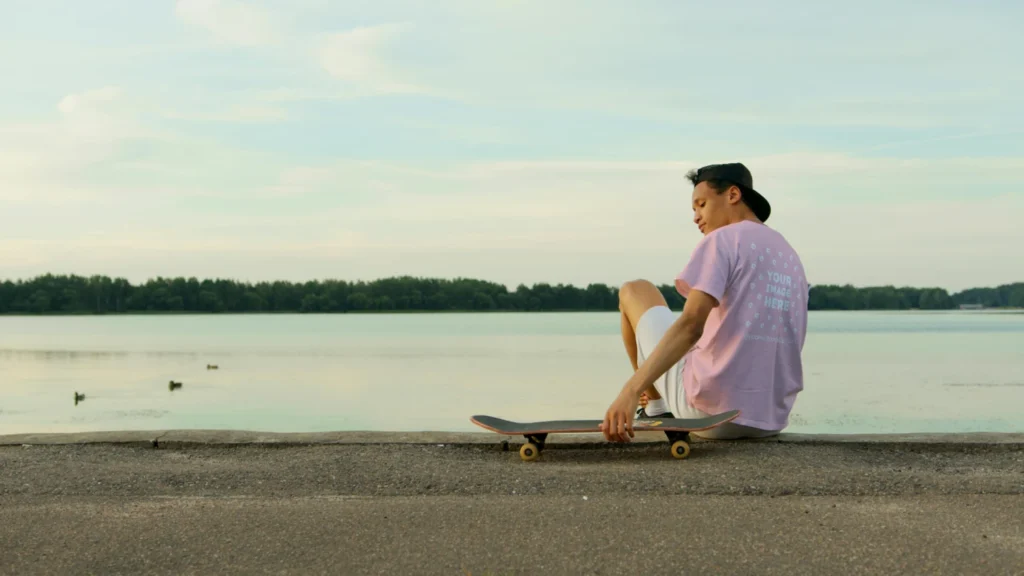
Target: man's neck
[748,217]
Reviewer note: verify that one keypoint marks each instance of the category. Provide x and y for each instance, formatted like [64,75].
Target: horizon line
[510,287]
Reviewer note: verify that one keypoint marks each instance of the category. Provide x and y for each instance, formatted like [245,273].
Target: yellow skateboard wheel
[680,449]
[529,452]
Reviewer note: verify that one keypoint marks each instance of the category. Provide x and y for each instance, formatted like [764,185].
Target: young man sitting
[737,344]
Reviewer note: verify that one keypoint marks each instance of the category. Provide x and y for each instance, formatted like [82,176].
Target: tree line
[53,294]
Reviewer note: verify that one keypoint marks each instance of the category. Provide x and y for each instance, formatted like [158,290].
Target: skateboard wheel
[529,452]
[680,449]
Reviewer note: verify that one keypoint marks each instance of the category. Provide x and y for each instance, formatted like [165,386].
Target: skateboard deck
[677,430]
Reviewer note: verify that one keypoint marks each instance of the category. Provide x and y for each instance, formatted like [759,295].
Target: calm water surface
[865,371]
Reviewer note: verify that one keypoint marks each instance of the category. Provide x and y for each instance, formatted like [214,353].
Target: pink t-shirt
[749,356]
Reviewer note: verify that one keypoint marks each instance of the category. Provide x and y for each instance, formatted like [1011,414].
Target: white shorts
[649,330]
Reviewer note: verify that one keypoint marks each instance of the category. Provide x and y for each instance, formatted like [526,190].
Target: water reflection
[865,372]
[87,354]
[985,384]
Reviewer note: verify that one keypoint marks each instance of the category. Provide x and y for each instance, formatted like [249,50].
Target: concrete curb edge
[154,438]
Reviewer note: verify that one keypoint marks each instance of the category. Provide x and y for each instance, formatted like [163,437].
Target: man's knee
[637,297]
[636,290]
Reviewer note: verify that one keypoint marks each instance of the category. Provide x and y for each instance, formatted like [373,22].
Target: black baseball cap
[736,173]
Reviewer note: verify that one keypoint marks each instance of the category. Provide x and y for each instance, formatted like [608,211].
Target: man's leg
[629,339]
[636,298]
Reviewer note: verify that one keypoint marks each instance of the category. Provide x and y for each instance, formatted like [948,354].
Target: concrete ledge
[242,437]
[140,437]
[922,438]
[239,437]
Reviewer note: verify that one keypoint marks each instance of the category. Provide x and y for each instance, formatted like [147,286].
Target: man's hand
[618,420]
[677,341]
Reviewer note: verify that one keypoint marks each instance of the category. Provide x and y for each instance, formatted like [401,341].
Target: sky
[514,141]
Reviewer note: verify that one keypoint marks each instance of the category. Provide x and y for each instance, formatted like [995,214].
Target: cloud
[359,57]
[95,115]
[92,124]
[229,21]
[38,160]
[802,67]
[90,100]
[102,147]
[239,114]
[611,221]
[511,222]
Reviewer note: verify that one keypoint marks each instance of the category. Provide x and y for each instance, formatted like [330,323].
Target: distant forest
[50,294]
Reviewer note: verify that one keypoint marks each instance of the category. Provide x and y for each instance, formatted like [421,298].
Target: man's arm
[684,333]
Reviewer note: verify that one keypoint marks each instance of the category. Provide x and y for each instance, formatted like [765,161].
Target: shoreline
[968,311]
[186,437]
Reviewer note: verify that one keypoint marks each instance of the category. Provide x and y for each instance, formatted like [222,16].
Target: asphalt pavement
[472,508]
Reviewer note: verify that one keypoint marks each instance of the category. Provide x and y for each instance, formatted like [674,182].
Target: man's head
[724,194]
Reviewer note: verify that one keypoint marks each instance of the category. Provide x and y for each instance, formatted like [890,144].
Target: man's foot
[642,413]
[653,409]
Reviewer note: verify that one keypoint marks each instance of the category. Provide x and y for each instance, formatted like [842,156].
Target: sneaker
[642,413]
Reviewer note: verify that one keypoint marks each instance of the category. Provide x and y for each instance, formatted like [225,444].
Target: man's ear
[735,195]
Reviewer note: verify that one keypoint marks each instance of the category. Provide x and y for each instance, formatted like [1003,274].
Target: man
[738,341]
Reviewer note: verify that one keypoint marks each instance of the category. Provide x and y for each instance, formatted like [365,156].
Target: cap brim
[758,204]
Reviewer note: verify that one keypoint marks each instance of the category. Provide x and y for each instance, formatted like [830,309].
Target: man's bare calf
[635,298]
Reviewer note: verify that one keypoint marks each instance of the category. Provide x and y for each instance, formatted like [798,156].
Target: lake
[871,372]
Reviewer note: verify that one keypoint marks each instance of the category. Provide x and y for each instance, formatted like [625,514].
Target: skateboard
[677,429]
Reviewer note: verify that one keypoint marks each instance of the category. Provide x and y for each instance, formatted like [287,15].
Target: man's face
[711,210]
